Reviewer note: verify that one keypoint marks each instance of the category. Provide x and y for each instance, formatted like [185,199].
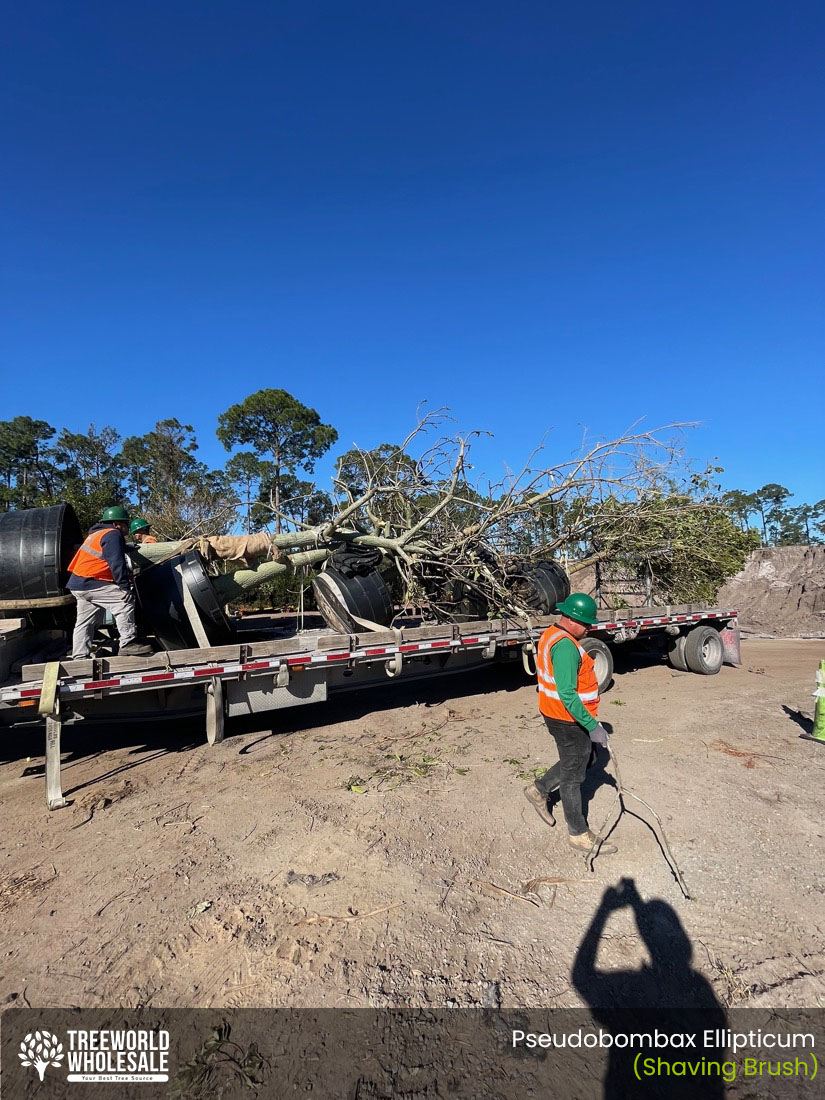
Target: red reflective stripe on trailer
[649,622]
[29,693]
[255,664]
[410,647]
[610,626]
[337,657]
[95,685]
[155,676]
[208,671]
[297,661]
[681,618]
[438,645]
[469,641]
[697,616]
[375,652]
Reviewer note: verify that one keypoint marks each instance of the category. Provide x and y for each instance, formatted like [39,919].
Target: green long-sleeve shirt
[566,661]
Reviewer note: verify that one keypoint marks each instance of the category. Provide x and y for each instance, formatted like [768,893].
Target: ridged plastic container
[36,546]
[550,585]
[162,611]
[339,598]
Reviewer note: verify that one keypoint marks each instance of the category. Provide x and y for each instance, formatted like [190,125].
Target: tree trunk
[234,586]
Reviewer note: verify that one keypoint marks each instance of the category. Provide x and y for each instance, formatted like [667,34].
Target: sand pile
[780,591]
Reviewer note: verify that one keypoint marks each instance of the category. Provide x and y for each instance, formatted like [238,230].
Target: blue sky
[543,216]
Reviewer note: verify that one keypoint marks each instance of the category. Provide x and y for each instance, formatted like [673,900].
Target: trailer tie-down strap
[48,690]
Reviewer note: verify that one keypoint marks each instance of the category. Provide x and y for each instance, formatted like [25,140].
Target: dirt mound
[780,591]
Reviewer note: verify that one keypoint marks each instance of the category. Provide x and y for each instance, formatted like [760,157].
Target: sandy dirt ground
[378,850]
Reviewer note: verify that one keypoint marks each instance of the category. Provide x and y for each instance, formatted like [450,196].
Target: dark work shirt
[113,547]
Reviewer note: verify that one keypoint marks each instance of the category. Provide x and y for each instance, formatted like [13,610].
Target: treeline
[768,511]
[273,441]
[160,476]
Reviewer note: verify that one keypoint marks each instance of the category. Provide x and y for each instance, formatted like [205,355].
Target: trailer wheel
[704,651]
[676,653]
[602,659]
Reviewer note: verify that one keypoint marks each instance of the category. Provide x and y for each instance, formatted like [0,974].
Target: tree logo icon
[41,1050]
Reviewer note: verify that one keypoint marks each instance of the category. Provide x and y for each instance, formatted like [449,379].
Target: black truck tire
[676,652]
[704,650]
[603,660]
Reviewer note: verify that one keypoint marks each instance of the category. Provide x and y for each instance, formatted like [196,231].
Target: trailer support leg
[215,715]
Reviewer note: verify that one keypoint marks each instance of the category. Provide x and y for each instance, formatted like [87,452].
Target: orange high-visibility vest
[587,686]
[89,560]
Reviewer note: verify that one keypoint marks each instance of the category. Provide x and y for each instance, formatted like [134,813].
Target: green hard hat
[116,514]
[139,524]
[580,607]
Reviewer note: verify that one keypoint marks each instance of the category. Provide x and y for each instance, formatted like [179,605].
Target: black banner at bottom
[409,1054]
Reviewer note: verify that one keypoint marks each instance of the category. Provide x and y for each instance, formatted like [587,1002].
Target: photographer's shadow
[667,994]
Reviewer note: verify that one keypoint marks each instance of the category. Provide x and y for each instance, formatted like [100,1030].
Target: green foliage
[301,502]
[178,494]
[92,474]
[278,426]
[27,473]
[688,551]
[247,473]
[779,523]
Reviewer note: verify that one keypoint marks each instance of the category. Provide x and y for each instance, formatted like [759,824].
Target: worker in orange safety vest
[100,581]
[569,703]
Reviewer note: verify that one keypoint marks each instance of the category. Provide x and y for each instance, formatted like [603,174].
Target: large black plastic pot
[162,612]
[341,598]
[540,586]
[36,546]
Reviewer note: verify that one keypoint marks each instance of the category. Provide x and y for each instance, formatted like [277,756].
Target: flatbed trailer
[259,676]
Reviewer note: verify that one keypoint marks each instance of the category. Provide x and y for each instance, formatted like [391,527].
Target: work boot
[539,804]
[585,841]
[135,649]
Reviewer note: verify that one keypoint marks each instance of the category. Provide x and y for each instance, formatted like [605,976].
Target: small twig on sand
[445,894]
[123,893]
[316,918]
[546,880]
[491,888]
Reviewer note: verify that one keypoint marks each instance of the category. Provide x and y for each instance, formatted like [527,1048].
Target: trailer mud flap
[732,654]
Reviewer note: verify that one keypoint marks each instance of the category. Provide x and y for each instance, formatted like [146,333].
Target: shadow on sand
[665,994]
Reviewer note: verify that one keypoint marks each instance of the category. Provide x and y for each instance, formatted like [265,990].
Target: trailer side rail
[499,634]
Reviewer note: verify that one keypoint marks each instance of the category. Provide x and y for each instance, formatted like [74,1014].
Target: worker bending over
[569,703]
[100,581]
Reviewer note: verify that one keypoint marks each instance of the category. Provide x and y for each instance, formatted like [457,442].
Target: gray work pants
[92,604]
